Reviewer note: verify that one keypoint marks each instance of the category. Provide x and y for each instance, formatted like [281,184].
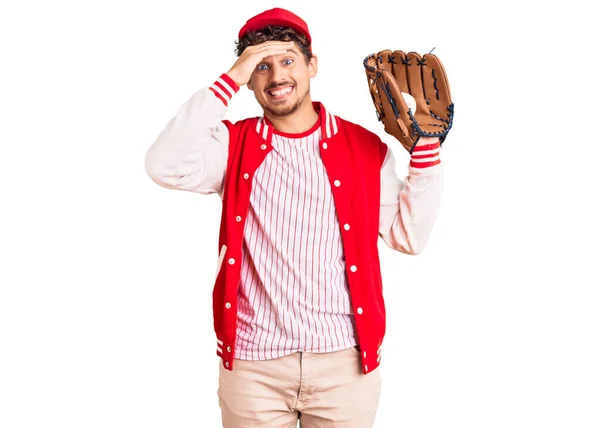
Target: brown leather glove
[390,74]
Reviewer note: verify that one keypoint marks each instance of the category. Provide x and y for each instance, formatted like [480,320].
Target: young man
[299,314]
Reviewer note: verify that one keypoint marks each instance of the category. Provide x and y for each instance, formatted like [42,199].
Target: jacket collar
[329,124]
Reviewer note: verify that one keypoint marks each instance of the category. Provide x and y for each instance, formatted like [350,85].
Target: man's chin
[283,110]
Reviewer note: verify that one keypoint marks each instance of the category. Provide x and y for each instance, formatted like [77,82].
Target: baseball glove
[397,80]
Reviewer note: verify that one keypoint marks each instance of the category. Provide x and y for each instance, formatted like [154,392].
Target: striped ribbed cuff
[224,88]
[426,155]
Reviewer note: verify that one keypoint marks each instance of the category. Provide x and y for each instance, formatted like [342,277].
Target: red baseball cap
[276,16]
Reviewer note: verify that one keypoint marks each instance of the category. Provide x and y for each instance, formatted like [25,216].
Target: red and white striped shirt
[293,294]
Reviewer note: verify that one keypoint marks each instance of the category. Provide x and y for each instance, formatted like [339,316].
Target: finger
[399,70]
[383,60]
[270,52]
[392,90]
[274,49]
[387,92]
[370,70]
[271,44]
[415,81]
[396,110]
[436,81]
[370,64]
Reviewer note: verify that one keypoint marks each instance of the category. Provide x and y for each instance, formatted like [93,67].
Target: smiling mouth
[280,92]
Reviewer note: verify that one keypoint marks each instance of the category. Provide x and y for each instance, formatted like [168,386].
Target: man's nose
[278,74]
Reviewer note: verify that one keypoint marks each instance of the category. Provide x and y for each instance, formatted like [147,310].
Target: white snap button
[228,305]
[353,268]
[229,349]
[366,368]
[325,146]
[337,183]
[226,363]
[246,175]
[231,261]
[264,146]
[238,218]
[347,226]
[365,354]
[359,311]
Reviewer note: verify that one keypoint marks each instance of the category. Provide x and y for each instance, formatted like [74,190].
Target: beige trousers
[321,390]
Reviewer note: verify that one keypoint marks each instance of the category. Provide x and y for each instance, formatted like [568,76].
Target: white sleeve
[409,208]
[191,151]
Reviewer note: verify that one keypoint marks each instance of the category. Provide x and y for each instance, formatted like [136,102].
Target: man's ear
[312,66]
[249,85]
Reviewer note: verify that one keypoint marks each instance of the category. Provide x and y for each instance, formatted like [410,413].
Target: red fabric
[230,82]
[424,164]
[416,156]
[219,96]
[427,147]
[276,16]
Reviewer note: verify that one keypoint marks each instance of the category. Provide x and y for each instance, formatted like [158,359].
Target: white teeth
[282,92]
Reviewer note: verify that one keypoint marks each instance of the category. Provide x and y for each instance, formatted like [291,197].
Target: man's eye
[288,61]
[262,67]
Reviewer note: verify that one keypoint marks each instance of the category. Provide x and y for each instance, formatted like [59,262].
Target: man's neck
[300,121]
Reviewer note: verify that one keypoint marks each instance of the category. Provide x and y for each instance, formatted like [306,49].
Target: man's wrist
[426,153]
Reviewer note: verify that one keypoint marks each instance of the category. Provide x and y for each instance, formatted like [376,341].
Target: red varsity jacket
[353,157]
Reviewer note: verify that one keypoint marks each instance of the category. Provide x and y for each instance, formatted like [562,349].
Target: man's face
[281,83]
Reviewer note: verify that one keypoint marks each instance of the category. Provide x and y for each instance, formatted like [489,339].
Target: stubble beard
[284,110]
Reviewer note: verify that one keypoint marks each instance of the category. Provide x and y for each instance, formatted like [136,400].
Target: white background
[106,278]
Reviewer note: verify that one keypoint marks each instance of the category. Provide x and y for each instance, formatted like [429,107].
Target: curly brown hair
[274,32]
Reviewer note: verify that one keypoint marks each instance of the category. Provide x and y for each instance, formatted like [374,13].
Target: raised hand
[245,65]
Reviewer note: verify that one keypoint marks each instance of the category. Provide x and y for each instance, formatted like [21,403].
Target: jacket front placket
[253,149]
